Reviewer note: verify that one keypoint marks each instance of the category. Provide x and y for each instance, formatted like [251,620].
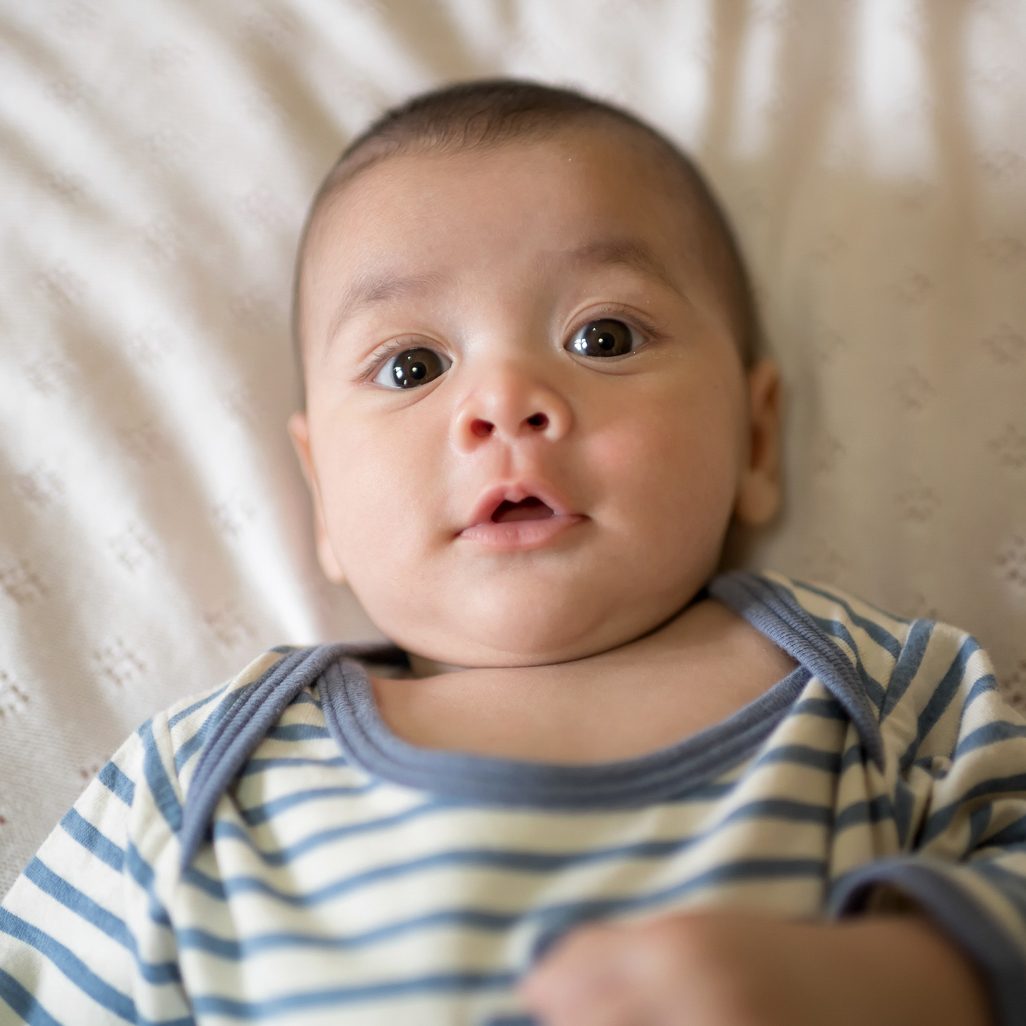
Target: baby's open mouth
[527,509]
[504,522]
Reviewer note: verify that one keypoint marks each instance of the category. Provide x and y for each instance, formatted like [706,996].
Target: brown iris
[416,367]
[603,338]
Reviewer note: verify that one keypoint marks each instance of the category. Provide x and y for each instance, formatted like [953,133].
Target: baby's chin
[539,638]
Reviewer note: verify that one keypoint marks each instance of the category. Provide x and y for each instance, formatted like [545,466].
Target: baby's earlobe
[758,494]
[326,554]
[299,432]
[757,501]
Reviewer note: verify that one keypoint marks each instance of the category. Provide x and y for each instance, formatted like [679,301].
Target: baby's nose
[536,422]
[512,406]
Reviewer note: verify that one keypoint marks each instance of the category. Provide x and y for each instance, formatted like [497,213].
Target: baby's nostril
[538,421]
[481,428]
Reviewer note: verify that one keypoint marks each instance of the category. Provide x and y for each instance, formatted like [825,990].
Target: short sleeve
[959,796]
[84,932]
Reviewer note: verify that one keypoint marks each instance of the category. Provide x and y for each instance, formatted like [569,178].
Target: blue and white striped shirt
[271,852]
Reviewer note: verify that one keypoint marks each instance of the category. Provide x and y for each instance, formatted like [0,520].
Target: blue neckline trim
[774,611]
[670,773]
[675,772]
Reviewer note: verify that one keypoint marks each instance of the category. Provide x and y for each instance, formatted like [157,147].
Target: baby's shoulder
[190,721]
[915,672]
[167,743]
[884,643]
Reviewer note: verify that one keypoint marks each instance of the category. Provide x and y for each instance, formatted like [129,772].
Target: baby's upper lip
[515,491]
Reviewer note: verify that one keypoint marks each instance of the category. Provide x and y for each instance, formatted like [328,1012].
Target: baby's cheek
[614,453]
[675,476]
[385,503]
[647,456]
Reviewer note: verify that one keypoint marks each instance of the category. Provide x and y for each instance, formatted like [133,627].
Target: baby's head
[533,400]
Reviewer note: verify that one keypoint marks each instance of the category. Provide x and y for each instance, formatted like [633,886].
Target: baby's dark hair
[477,114]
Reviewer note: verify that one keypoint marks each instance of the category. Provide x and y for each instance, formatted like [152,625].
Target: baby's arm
[957,776]
[84,937]
[734,969]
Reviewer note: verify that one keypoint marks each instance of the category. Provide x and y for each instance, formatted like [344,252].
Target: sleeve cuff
[966,924]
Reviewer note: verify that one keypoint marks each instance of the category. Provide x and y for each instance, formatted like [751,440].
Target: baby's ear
[299,432]
[758,494]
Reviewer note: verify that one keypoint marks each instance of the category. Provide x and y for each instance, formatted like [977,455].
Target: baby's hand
[735,969]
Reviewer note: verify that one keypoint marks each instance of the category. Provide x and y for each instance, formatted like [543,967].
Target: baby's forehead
[590,184]
[654,162]
[554,199]
[647,176]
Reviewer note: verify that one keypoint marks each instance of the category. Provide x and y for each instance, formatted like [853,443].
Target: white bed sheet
[155,164]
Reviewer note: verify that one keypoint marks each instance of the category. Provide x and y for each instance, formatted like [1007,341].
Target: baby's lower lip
[513,535]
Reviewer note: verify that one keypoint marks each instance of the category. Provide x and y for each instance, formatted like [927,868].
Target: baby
[593,783]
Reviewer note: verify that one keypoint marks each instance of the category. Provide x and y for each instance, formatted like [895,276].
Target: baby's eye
[603,338]
[412,367]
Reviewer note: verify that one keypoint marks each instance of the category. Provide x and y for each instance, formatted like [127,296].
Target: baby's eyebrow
[632,253]
[372,287]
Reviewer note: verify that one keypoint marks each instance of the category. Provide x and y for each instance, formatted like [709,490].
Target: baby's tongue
[527,509]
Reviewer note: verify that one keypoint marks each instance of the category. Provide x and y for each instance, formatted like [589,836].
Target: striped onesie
[271,853]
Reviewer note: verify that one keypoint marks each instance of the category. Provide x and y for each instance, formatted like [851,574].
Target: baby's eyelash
[369,368]
[627,314]
[371,365]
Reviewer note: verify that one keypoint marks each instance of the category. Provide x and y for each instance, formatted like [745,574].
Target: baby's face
[527,422]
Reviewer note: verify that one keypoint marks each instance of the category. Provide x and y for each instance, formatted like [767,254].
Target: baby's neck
[424,667]
[692,673]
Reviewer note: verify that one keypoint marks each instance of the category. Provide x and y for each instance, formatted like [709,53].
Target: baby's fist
[713,969]
[736,969]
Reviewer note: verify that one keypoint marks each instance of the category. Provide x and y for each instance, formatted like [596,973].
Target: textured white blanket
[155,164]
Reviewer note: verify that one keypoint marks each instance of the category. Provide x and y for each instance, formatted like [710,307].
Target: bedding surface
[154,173]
